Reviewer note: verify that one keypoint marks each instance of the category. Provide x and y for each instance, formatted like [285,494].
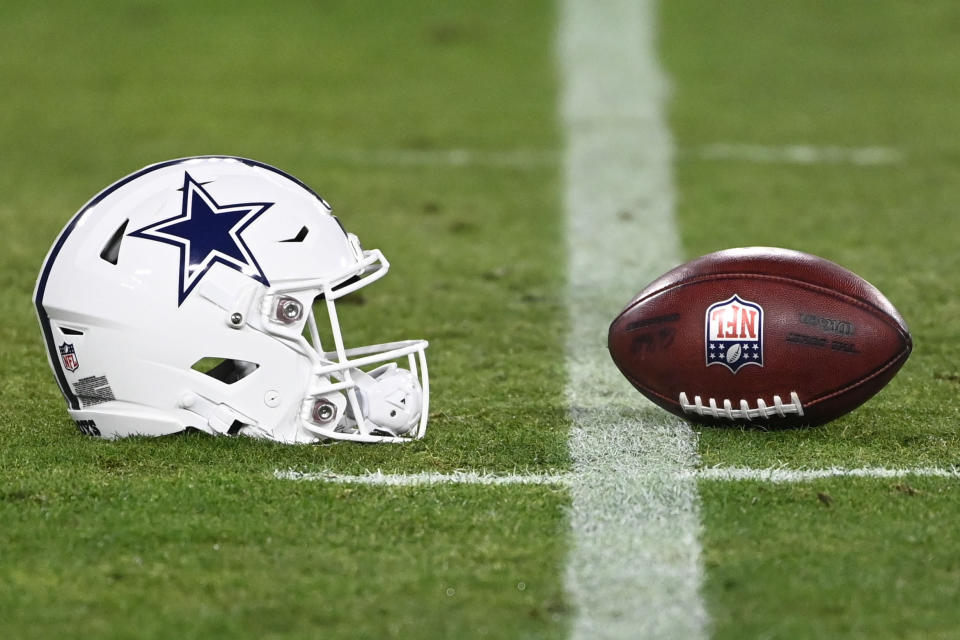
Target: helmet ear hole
[225,369]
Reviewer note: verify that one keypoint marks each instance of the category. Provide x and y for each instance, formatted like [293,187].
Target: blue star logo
[206,234]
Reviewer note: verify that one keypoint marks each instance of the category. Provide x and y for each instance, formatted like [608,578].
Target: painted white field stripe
[378,478]
[634,568]
[801,154]
[797,154]
[507,158]
[782,475]
[773,475]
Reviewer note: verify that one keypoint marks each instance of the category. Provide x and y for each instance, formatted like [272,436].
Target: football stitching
[794,407]
[817,400]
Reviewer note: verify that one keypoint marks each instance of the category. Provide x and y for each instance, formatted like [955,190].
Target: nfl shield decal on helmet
[734,333]
[69,357]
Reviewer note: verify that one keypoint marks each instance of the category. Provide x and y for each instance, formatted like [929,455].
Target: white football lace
[745,411]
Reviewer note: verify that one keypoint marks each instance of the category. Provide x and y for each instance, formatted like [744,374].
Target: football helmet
[183,296]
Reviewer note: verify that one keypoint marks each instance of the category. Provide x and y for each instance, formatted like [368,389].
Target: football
[763,336]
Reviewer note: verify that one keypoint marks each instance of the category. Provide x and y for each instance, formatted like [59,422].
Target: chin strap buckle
[221,419]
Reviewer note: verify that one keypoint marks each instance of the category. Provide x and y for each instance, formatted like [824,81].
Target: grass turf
[192,554]
[190,536]
[838,558]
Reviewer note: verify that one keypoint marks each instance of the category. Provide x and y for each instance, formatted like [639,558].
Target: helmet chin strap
[221,419]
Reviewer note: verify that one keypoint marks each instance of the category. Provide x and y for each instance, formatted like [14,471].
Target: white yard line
[783,475]
[378,478]
[506,158]
[801,154]
[774,475]
[634,568]
[797,154]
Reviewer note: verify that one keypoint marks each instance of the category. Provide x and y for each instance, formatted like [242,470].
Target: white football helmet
[182,296]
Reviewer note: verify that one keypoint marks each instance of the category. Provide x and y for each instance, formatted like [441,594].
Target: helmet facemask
[374,393]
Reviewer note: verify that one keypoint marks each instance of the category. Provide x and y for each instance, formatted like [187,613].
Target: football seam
[900,357]
[901,329]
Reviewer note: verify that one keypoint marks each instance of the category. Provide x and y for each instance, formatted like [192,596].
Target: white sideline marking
[799,154]
[634,567]
[775,475]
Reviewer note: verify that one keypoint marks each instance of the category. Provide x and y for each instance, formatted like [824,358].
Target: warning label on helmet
[93,390]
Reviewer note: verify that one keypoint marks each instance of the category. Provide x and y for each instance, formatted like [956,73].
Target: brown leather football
[763,336]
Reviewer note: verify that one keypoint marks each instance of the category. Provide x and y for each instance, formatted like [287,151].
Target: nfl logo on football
[734,333]
[69,356]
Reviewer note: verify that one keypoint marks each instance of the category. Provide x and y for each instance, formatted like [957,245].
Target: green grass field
[190,536]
